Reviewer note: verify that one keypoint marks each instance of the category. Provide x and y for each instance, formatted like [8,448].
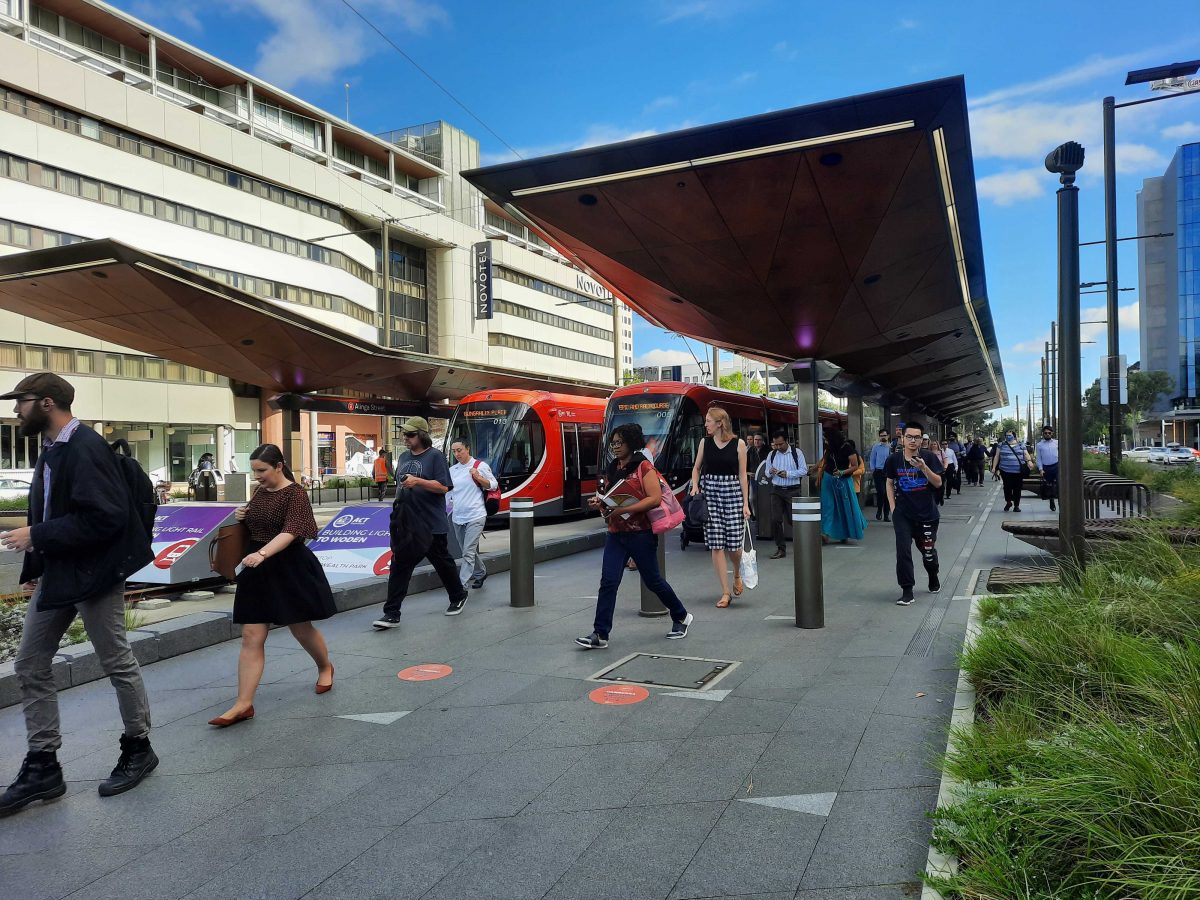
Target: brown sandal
[738,587]
[724,601]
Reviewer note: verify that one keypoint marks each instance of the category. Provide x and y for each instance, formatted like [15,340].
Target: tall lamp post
[1064,161]
[1139,76]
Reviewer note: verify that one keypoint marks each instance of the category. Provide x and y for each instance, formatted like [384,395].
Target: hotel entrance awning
[845,231]
[117,293]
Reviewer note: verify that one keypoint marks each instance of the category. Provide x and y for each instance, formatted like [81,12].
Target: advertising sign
[481,281]
[355,544]
[182,533]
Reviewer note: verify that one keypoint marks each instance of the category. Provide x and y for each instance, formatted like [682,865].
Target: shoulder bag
[228,549]
[491,498]
[1021,460]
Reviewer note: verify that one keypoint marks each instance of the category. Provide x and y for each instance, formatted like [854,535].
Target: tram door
[572,469]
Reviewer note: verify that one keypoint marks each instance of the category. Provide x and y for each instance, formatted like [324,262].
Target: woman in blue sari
[841,517]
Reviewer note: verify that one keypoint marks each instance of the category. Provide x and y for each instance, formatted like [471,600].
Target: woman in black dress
[281,581]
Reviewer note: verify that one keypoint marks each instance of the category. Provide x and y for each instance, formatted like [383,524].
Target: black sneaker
[592,642]
[456,606]
[906,599]
[40,778]
[478,582]
[387,622]
[137,761]
[934,584]
[679,630]
[1007,507]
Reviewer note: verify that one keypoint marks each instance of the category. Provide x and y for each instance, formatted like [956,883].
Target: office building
[111,128]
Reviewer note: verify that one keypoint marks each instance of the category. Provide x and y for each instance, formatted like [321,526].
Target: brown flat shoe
[779,554]
[724,601]
[225,722]
[738,587]
[326,688]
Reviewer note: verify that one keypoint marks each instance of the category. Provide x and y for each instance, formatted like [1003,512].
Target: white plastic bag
[749,566]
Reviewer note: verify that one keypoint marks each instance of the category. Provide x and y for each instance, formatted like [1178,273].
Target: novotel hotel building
[111,128]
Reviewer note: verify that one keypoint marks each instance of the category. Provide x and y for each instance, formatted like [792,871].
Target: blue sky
[548,77]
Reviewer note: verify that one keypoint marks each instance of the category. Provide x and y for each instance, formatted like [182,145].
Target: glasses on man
[410,433]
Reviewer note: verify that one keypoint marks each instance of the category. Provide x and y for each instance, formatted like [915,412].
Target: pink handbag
[668,514]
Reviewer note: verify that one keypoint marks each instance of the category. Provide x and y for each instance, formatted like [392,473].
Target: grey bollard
[651,605]
[806,563]
[520,540]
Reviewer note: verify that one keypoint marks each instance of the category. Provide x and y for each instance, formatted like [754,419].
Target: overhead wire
[350,6]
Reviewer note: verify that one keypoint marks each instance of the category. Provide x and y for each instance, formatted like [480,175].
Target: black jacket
[94,537]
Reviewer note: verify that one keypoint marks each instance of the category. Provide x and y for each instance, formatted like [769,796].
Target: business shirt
[793,469]
[1046,453]
[949,456]
[878,456]
[62,438]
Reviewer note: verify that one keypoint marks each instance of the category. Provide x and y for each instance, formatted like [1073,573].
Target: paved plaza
[807,771]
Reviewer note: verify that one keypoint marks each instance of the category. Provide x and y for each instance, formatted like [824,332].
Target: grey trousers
[468,536]
[104,621]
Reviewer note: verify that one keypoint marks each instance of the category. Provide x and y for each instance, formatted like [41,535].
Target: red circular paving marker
[424,672]
[618,694]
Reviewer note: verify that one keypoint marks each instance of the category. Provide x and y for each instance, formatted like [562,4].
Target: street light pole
[1110,272]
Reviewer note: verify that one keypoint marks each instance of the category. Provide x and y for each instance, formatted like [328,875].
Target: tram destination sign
[481,282]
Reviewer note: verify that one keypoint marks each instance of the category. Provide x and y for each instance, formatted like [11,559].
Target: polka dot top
[271,513]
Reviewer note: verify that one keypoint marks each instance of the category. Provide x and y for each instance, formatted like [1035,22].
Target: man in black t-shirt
[913,476]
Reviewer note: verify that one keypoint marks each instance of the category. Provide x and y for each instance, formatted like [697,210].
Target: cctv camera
[1065,160]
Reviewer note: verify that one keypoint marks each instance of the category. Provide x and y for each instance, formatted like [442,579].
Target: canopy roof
[846,231]
[117,293]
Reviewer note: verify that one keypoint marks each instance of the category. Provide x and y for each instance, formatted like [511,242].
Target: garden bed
[12,620]
[1080,774]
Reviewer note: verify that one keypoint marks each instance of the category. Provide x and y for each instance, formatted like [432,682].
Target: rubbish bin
[206,487]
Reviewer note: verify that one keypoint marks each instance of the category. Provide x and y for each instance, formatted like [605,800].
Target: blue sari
[841,517]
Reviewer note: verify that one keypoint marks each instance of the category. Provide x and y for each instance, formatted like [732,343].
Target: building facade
[1169,289]
[110,128]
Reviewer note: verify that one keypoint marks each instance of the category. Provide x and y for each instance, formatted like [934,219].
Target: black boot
[40,778]
[136,762]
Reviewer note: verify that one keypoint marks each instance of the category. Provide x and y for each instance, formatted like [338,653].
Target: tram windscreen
[508,436]
[653,412]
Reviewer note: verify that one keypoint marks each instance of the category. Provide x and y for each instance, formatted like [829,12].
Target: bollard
[520,541]
[651,605]
[806,563]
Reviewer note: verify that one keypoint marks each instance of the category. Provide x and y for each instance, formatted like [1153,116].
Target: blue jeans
[642,546]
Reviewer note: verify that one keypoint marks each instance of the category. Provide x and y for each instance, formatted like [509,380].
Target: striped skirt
[726,526]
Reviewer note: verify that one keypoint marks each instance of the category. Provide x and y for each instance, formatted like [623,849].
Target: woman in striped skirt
[720,475]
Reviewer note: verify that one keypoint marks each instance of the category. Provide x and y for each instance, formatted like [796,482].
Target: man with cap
[84,538]
[418,524]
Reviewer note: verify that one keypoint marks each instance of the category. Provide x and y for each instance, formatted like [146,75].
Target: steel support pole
[520,541]
[1110,273]
[1054,375]
[1045,400]
[651,605]
[1070,440]
[806,563]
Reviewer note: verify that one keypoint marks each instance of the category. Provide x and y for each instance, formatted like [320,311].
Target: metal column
[651,605]
[806,563]
[1110,274]
[520,541]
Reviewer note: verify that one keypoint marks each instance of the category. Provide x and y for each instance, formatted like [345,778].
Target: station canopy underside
[846,231]
[107,290]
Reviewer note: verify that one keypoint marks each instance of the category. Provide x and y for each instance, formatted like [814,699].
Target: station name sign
[481,280]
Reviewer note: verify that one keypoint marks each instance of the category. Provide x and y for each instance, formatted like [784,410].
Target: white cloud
[664,358]
[705,10]
[160,14]
[1182,132]
[1007,188]
[743,79]
[659,103]
[786,51]
[1095,330]
[594,136]
[1082,73]
[1024,130]
[1137,158]
[314,40]
[907,24]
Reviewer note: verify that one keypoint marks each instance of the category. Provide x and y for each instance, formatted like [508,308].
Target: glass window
[110,195]
[11,356]
[36,358]
[84,362]
[174,371]
[154,369]
[112,364]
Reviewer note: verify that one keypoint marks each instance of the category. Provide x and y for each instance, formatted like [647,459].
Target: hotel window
[35,358]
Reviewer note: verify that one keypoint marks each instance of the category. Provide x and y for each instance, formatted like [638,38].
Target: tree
[1144,391]
[632,377]
[737,382]
[1007,424]
[975,423]
[1094,420]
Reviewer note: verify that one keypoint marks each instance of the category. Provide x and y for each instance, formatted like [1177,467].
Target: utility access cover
[687,672]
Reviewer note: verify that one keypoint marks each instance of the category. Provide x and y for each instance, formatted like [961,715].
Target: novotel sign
[586,285]
[481,281]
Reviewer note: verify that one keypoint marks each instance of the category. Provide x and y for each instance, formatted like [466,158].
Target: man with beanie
[418,523]
[84,538]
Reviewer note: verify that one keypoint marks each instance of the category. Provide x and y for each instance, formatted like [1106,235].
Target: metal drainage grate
[922,642]
[956,517]
[686,672]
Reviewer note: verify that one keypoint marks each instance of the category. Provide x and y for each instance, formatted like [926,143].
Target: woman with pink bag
[634,489]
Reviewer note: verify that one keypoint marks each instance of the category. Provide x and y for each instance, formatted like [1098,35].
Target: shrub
[14,505]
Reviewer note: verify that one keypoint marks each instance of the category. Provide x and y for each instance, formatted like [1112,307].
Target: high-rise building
[111,128]
[1169,289]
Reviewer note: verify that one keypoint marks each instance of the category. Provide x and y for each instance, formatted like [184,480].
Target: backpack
[491,498]
[141,491]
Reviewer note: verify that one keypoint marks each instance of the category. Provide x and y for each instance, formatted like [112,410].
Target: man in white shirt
[786,467]
[1046,452]
[471,477]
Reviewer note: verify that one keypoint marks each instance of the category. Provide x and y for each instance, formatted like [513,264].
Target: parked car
[1179,455]
[1149,454]
[13,489]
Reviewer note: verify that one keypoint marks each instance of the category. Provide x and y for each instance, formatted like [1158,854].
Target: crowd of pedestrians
[86,535]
